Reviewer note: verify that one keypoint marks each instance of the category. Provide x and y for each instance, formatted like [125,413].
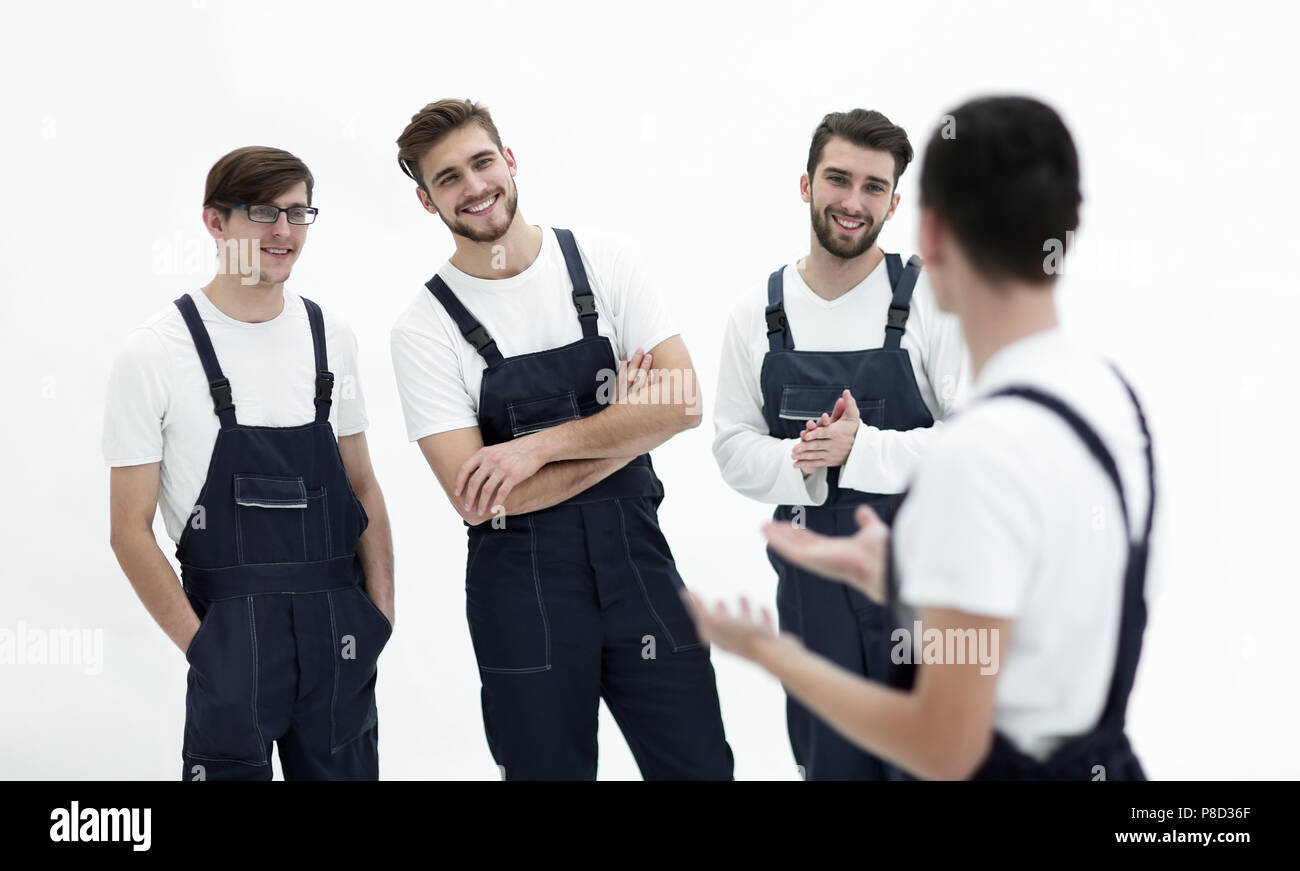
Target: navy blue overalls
[1103,753]
[581,600]
[831,618]
[289,640]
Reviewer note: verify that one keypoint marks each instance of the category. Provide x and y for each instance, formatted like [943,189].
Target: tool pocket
[872,412]
[221,691]
[316,542]
[507,616]
[360,632]
[650,562]
[270,519]
[531,415]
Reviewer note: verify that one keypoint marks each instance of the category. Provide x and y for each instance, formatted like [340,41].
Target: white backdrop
[684,126]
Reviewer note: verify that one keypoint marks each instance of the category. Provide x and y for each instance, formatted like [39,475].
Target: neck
[1002,314]
[250,303]
[505,257]
[831,277]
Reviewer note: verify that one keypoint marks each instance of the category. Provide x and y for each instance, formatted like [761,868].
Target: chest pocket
[531,415]
[278,520]
[809,401]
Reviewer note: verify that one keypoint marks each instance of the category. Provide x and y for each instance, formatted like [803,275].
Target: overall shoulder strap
[778,328]
[218,386]
[583,299]
[903,281]
[468,325]
[1133,612]
[324,377]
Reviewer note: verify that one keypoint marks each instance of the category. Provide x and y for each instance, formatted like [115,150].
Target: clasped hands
[827,441]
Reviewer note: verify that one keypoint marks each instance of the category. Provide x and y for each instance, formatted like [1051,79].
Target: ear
[805,188]
[930,238]
[511,162]
[214,223]
[425,201]
[893,204]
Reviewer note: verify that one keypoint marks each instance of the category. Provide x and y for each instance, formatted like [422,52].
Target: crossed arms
[544,468]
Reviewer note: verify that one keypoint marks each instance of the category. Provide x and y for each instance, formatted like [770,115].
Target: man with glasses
[225,404]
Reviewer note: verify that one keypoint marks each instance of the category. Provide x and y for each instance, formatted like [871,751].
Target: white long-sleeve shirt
[758,464]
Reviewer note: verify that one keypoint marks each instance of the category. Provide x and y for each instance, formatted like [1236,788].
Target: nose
[475,187]
[281,228]
[854,204]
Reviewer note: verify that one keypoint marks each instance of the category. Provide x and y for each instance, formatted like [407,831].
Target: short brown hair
[430,125]
[254,174]
[865,128]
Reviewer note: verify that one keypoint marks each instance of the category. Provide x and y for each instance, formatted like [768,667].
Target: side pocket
[503,601]
[359,633]
[531,415]
[270,518]
[650,563]
[221,694]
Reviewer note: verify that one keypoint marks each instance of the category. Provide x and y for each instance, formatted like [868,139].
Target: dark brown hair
[1007,184]
[865,128]
[254,174]
[430,125]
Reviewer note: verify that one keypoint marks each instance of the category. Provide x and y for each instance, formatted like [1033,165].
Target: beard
[508,202]
[825,229]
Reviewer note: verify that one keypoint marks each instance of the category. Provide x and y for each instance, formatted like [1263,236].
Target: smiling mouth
[276,252]
[848,225]
[483,207]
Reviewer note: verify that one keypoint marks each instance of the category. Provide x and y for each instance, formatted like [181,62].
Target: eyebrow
[876,178]
[487,152]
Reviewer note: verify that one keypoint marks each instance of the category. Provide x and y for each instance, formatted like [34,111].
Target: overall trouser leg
[535,624]
[658,680]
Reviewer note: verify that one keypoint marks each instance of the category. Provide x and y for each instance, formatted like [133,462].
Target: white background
[684,126]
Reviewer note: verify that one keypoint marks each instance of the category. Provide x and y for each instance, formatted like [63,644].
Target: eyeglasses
[264,213]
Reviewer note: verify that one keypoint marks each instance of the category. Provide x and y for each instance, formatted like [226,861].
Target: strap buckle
[324,387]
[479,338]
[776,321]
[897,318]
[585,303]
[222,400]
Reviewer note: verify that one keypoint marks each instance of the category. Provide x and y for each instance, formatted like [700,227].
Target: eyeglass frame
[248,207]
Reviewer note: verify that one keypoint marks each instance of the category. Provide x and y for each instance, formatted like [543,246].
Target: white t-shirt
[1010,516]
[159,406]
[758,464]
[439,372]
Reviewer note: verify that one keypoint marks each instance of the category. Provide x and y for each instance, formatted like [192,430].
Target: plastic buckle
[324,387]
[222,400]
[585,303]
[479,338]
[897,318]
[775,321]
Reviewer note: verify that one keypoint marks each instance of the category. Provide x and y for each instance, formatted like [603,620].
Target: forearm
[156,584]
[622,430]
[555,482]
[375,548]
[883,460]
[760,466]
[885,722]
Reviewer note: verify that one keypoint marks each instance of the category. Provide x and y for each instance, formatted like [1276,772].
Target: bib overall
[580,601]
[831,618]
[289,640]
